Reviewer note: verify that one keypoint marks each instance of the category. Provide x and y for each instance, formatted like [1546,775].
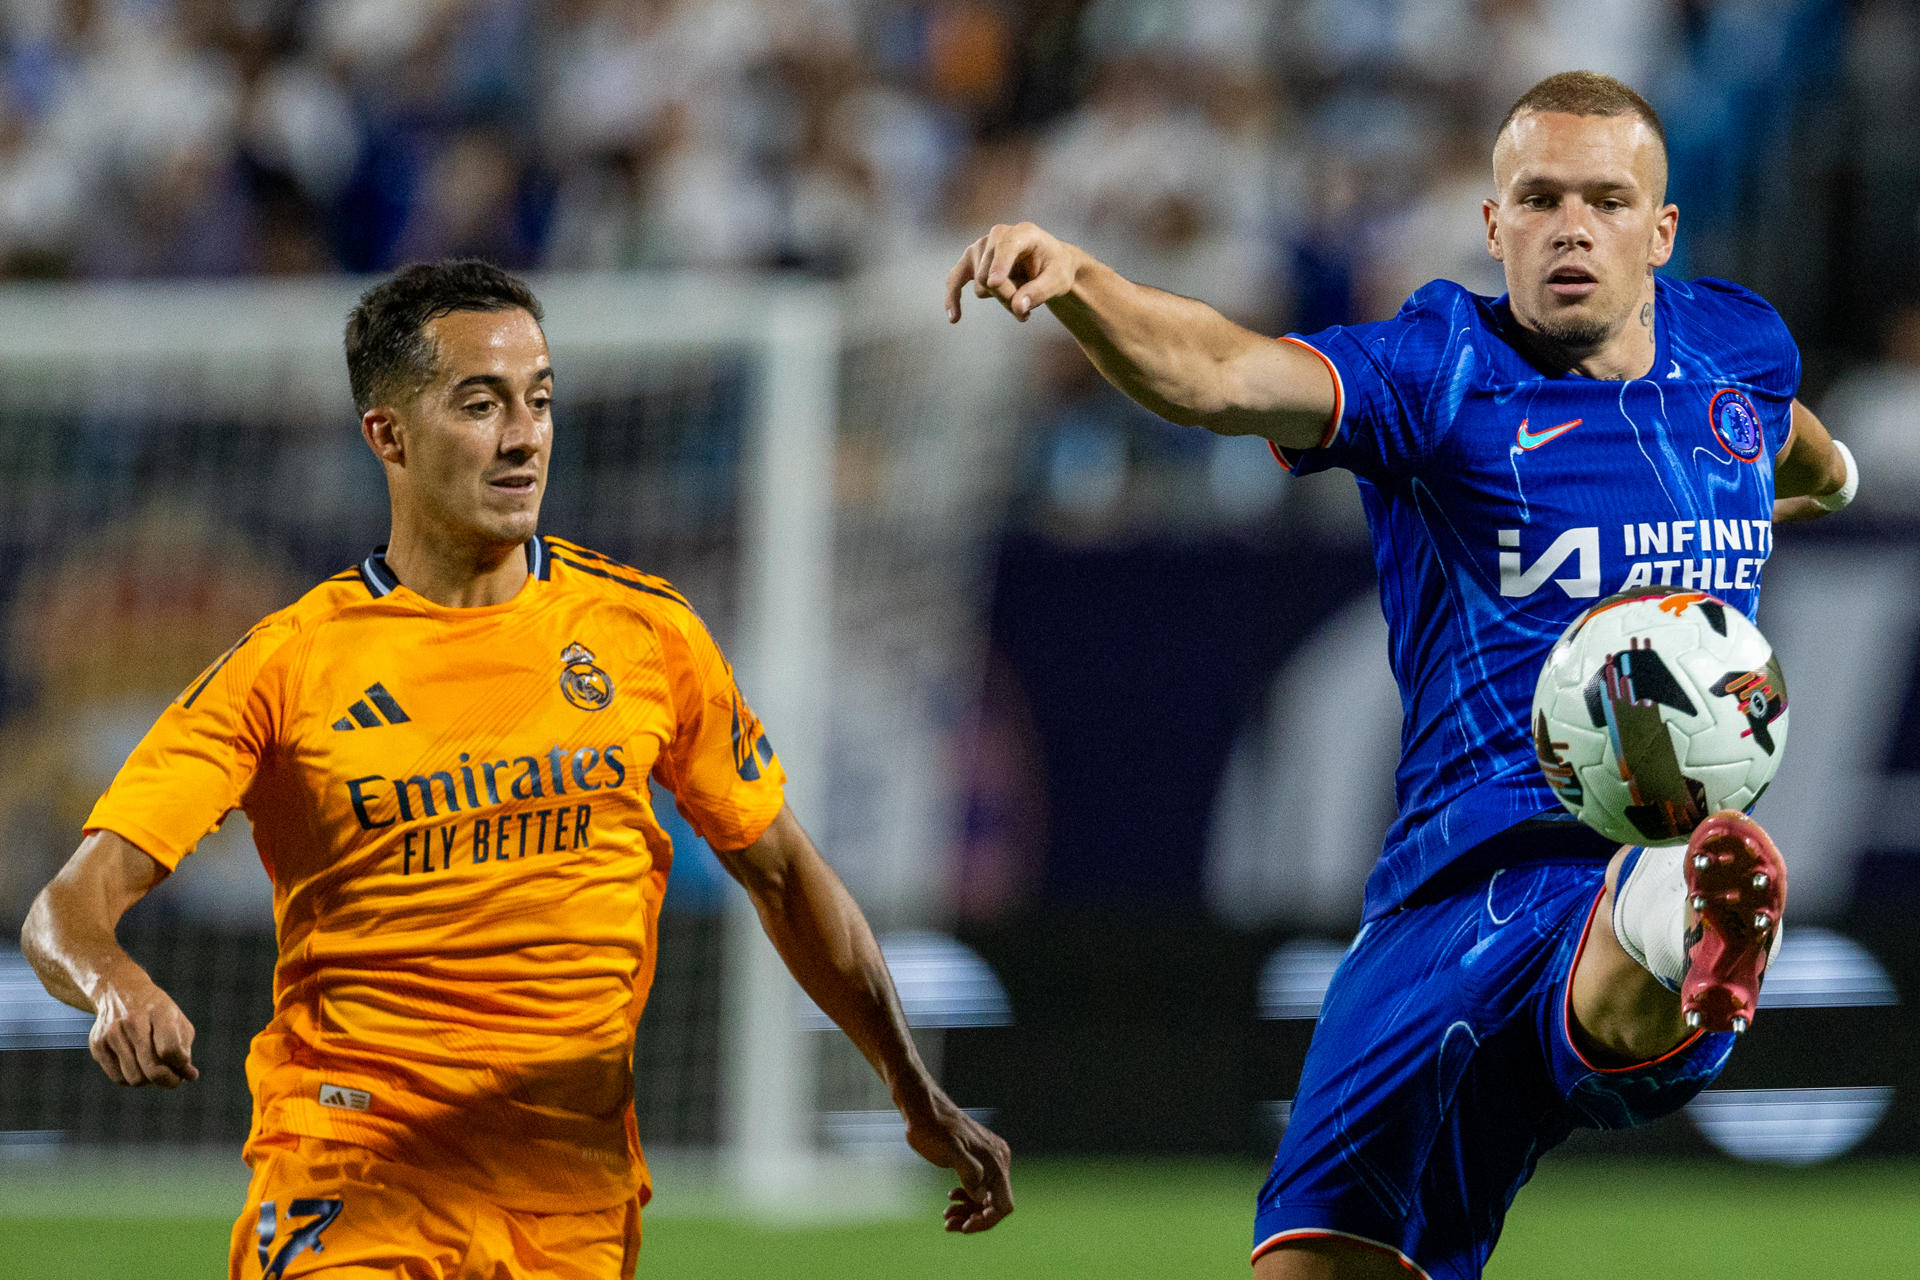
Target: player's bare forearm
[68,936]
[1809,467]
[139,1035]
[1176,356]
[1191,365]
[1798,510]
[827,945]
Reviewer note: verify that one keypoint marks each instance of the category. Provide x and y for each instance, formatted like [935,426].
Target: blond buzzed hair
[1586,93]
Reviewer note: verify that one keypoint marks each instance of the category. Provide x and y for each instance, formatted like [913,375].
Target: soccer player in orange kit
[444,753]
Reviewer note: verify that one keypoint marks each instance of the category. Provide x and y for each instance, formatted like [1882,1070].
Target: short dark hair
[388,352]
[1586,93]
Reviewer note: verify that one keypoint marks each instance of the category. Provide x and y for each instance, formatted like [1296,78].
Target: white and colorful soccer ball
[1656,708]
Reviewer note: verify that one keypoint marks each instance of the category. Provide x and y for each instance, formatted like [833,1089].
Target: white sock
[1650,912]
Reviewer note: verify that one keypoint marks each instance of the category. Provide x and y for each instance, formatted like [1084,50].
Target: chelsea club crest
[585,685]
[1736,423]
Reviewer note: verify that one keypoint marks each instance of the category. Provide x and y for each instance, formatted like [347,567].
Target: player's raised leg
[1330,1258]
[1680,941]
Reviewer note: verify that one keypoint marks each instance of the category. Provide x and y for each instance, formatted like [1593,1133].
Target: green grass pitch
[1594,1219]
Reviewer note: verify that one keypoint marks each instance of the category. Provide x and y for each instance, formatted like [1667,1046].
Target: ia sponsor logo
[1581,546]
[1572,560]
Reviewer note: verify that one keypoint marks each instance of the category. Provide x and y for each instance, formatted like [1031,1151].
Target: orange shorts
[341,1212]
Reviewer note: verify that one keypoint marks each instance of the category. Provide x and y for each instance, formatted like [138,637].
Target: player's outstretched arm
[820,933]
[1812,476]
[140,1036]
[1178,357]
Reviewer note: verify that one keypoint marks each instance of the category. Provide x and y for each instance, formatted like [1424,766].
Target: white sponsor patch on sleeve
[338,1095]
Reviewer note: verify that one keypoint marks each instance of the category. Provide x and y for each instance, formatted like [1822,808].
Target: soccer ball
[1656,708]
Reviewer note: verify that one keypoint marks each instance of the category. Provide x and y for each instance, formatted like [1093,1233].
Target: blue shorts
[1442,1065]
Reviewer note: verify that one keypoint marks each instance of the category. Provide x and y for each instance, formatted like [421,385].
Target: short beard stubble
[1576,333]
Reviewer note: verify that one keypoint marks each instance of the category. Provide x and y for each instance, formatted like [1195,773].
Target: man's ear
[1490,210]
[381,430]
[1665,232]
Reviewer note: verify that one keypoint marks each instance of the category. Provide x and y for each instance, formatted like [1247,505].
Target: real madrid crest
[585,685]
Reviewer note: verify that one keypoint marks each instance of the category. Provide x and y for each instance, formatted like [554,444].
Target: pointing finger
[957,279]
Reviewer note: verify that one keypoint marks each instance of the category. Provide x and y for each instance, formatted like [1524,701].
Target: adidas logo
[367,713]
[344,1099]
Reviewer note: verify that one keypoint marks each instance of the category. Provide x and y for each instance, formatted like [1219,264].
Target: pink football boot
[1736,889]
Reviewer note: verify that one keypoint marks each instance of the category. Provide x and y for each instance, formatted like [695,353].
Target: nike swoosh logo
[1534,439]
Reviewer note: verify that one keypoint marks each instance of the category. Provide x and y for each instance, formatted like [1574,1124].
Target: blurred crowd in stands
[1298,162]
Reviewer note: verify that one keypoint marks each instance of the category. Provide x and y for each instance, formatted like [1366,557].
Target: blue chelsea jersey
[1504,500]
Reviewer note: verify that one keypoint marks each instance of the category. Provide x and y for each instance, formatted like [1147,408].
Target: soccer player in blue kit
[1598,428]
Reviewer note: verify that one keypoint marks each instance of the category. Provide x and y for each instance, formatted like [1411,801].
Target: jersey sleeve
[726,781]
[1786,361]
[1753,343]
[195,764]
[1386,377]
[1783,381]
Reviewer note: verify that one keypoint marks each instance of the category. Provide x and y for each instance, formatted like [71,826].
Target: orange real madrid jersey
[452,805]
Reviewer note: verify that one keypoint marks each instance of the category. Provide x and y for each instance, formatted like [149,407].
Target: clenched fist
[141,1037]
